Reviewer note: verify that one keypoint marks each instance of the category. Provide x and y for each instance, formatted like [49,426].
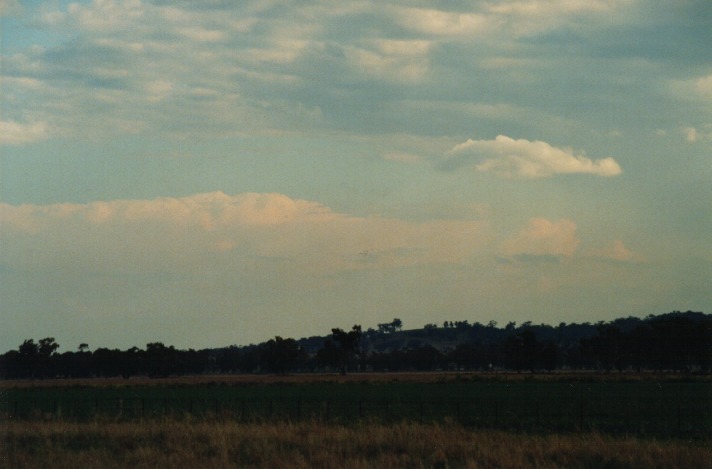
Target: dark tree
[390,327]
[522,350]
[28,358]
[281,355]
[160,360]
[397,324]
[342,349]
[607,346]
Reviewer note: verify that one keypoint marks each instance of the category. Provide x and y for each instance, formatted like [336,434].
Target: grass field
[660,405]
[419,420]
[189,443]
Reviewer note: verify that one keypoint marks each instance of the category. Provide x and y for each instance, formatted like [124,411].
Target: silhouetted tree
[390,327]
[160,360]
[341,350]
[522,350]
[28,358]
[281,355]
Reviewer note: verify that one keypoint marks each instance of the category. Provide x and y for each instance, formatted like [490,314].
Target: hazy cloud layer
[172,234]
[543,237]
[178,234]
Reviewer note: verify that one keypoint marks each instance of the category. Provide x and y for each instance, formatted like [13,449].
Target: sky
[214,173]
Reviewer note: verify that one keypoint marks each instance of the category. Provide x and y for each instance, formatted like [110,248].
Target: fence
[639,416]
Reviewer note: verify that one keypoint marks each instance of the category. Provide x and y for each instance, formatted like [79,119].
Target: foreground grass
[186,443]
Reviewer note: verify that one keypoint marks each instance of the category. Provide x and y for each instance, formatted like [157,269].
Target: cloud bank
[178,234]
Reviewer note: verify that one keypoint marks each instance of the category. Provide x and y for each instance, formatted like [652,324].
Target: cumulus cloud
[542,237]
[216,229]
[522,158]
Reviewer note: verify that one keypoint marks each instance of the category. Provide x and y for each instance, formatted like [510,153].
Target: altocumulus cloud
[16,133]
[522,158]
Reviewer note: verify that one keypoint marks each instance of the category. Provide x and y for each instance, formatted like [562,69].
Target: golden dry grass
[186,443]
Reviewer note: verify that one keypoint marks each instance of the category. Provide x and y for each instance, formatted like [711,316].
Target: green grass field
[663,407]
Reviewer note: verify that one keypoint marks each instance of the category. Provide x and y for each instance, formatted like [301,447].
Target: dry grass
[186,443]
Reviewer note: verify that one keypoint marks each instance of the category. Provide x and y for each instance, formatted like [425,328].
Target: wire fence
[692,417]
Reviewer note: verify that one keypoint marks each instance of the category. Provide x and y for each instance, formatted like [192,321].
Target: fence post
[327,411]
[421,411]
[360,409]
[581,415]
[299,409]
[496,413]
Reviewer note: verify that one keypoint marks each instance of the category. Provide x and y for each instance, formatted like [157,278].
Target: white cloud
[202,34]
[542,237]
[399,61]
[526,159]
[179,234]
[441,23]
[16,133]
[107,15]
[499,21]
[277,58]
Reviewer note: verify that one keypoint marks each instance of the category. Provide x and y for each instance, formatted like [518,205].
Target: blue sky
[215,173]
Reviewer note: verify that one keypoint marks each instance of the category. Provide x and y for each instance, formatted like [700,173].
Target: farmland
[659,405]
[361,420]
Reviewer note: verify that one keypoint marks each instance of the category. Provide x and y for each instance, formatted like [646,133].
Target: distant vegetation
[676,341]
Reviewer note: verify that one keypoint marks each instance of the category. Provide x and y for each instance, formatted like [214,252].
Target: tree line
[675,342]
